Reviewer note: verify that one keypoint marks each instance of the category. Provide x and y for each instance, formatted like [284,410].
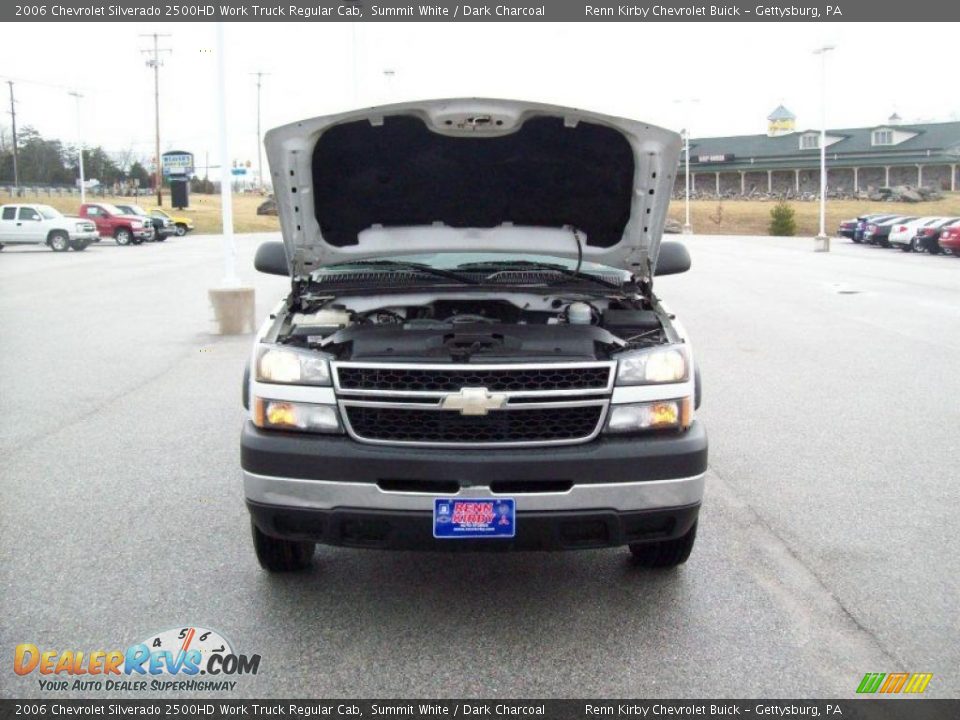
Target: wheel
[181,230]
[59,241]
[123,236]
[666,553]
[912,246]
[79,245]
[278,555]
[160,238]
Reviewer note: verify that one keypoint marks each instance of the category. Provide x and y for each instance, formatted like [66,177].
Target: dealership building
[786,160]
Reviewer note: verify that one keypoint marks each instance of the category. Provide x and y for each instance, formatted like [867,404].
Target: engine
[447,328]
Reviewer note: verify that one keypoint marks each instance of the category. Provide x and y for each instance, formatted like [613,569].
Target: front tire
[79,245]
[59,242]
[123,236]
[666,553]
[912,246]
[276,555]
[181,230]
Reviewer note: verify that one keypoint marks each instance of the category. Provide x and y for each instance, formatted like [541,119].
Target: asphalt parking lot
[827,547]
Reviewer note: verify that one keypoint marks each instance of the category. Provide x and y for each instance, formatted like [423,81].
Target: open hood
[472,175]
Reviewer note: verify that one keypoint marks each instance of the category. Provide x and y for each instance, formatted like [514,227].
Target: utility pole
[83,187]
[153,60]
[13,123]
[259,75]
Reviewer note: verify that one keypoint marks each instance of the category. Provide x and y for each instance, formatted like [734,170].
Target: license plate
[455,518]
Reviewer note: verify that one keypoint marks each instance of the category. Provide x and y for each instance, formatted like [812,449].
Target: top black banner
[449,11]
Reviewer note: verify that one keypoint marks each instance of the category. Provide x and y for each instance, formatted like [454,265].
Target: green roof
[932,143]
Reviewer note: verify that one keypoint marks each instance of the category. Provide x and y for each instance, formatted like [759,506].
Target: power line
[155,63]
[259,75]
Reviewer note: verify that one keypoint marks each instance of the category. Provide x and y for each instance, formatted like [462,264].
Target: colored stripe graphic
[893,683]
[918,682]
[871,682]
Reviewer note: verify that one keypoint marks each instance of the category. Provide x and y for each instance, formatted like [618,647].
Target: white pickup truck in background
[44,225]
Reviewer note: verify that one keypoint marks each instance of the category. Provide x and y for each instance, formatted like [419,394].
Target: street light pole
[822,241]
[259,76]
[688,186]
[687,227]
[226,196]
[83,184]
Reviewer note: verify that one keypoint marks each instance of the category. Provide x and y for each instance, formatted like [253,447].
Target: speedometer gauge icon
[179,641]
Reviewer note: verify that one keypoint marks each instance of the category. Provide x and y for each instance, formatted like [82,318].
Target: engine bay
[465,326]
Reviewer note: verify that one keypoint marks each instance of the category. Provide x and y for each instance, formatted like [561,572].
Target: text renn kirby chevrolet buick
[472,355]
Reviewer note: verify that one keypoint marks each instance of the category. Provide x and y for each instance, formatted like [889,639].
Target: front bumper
[608,492]
[144,234]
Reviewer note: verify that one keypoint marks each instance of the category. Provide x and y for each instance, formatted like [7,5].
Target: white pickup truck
[44,225]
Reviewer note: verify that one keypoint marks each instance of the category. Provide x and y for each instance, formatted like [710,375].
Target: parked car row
[932,234]
[38,224]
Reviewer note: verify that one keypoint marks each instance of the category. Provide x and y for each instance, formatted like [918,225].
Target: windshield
[112,209]
[48,212]
[485,260]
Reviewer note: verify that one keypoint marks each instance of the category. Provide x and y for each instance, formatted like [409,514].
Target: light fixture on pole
[259,75]
[687,227]
[822,241]
[83,183]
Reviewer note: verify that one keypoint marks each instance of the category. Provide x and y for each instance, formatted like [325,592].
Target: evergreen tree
[782,220]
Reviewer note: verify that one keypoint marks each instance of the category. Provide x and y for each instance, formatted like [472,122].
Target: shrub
[782,221]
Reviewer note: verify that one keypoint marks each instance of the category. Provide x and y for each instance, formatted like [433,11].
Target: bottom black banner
[893,709]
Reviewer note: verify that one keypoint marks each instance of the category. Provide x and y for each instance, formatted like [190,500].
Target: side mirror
[271,258]
[673,258]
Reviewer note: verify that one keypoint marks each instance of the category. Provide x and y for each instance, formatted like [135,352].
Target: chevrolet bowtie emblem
[473,401]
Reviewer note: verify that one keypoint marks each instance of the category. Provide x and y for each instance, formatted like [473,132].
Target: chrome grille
[529,404]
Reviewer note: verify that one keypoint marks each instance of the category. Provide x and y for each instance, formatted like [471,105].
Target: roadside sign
[177,163]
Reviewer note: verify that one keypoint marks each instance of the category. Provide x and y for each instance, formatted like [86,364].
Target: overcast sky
[738,71]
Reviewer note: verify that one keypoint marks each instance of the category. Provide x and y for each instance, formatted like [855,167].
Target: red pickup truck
[112,222]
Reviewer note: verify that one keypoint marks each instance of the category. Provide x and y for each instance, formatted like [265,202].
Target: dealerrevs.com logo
[188,659]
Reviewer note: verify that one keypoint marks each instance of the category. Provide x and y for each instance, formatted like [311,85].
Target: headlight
[136,225]
[657,415]
[667,364]
[81,227]
[301,417]
[289,366]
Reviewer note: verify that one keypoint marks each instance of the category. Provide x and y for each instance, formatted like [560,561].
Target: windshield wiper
[506,266]
[417,267]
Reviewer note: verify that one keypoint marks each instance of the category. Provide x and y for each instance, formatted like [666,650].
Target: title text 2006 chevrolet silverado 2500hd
[472,355]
